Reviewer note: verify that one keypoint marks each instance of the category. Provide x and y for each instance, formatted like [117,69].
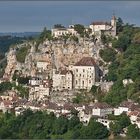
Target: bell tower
[113,24]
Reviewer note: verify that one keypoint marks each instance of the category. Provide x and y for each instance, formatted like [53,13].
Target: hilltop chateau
[106,27]
[59,65]
[97,27]
[60,75]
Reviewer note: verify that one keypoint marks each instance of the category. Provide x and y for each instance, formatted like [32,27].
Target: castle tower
[113,24]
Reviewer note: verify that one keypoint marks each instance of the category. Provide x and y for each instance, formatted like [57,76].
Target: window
[89,81]
[76,82]
[83,82]
[80,75]
[76,70]
[83,70]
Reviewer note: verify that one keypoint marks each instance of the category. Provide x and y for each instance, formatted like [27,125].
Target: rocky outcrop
[56,53]
[11,64]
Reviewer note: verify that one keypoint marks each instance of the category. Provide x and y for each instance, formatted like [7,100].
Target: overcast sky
[34,15]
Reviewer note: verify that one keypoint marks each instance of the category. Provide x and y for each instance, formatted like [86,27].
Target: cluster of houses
[82,75]
[96,28]
[12,103]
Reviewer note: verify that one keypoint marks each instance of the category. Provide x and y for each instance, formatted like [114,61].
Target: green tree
[115,128]
[107,54]
[60,125]
[120,122]
[23,80]
[74,38]
[74,121]
[21,54]
[5,86]
[45,34]
[119,25]
[133,132]
[117,94]
[94,130]
[94,89]
[59,26]
[80,29]
[122,42]
[124,120]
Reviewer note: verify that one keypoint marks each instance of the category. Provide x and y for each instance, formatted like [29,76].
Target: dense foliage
[45,34]
[59,26]
[5,86]
[20,79]
[133,132]
[119,124]
[22,91]
[3,64]
[80,29]
[21,54]
[40,125]
[107,54]
[126,65]
[119,25]
[7,41]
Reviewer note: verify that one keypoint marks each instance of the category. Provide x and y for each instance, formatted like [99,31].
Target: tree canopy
[21,54]
[40,125]
[125,65]
[80,29]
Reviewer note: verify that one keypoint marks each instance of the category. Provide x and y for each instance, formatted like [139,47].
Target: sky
[28,16]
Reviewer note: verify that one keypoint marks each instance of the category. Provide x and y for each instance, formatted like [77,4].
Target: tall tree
[119,25]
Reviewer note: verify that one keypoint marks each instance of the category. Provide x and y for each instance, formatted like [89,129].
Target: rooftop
[100,23]
[101,105]
[86,61]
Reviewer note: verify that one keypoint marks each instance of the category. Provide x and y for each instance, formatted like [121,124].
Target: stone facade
[85,73]
[101,109]
[107,27]
[57,32]
[62,79]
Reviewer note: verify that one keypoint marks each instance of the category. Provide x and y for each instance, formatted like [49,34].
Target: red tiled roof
[100,23]
[64,72]
[134,113]
[68,106]
[126,104]
[7,102]
[86,61]
[15,98]
[52,105]
[135,107]
[101,105]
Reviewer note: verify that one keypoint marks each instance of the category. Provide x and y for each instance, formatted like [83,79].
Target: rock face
[60,54]
[11,65]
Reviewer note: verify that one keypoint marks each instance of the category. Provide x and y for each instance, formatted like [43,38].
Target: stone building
[42,65]
[101,109]
[57,32]
[62,79]
[86,73]
[40,89]
[106,27]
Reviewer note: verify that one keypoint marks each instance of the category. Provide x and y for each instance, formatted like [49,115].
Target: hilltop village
[54,74]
